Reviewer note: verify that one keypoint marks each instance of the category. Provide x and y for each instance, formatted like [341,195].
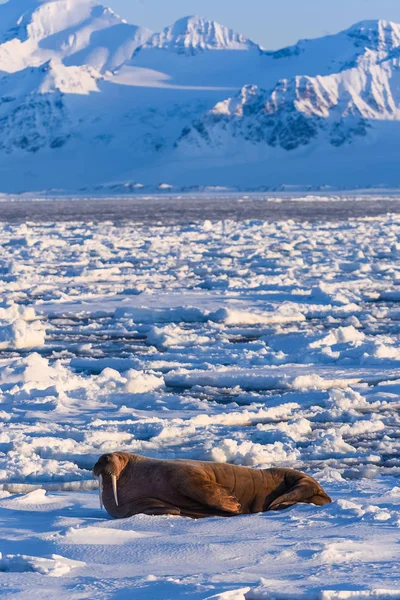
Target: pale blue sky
[271,23]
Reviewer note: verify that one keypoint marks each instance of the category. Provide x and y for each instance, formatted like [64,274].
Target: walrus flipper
[213,495]
[154,506]
[160,510]
[304,491]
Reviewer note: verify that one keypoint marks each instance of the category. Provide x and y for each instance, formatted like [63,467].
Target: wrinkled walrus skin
[198,489]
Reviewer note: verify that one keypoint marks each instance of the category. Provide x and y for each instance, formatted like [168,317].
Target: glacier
[89,102]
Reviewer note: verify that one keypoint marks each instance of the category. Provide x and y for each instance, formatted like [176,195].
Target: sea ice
[254,343]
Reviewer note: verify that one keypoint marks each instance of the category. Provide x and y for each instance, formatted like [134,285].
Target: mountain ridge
[87,98]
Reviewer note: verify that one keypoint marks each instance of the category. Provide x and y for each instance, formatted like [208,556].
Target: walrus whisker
[101,490]
[114,486]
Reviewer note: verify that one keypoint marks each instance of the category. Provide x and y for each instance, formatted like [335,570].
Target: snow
[250,342]
[80,32]
[20,334]
[193,33]
[262,593]
[54,566]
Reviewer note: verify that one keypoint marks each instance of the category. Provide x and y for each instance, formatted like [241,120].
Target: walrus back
[260,490]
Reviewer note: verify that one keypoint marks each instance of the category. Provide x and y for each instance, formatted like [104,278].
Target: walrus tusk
[101,490]
[114,486]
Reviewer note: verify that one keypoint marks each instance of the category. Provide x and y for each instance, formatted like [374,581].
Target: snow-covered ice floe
[263,344]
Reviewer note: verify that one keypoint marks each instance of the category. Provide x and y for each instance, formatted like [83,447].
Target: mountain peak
[191,21]
[375,34]
[197,33]
[78,32]
[370,25]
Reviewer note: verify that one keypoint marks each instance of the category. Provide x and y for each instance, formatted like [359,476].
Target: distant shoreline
[169,210]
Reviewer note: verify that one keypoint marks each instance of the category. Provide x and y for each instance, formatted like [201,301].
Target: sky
[271,23]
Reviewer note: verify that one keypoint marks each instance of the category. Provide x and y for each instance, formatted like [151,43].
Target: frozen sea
[261,330]
[166,209]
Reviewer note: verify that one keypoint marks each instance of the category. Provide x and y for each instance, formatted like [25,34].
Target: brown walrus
[130,484]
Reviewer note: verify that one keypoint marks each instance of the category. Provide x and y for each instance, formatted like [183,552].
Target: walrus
[130,484]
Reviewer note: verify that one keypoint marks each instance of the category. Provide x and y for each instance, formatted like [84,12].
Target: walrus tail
[111,465]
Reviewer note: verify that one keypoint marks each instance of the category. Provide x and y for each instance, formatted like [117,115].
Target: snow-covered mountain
[75,31]
[88,100]
[296,112]
[33,108]
[194,33]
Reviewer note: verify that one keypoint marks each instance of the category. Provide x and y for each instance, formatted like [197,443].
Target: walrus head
[111,465]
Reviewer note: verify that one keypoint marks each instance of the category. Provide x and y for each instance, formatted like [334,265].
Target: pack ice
[255,343]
